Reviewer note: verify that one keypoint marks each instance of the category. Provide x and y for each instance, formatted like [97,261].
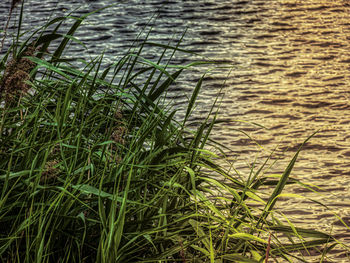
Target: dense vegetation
[94,167]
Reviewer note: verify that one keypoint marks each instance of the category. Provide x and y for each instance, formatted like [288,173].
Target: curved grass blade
[282,182]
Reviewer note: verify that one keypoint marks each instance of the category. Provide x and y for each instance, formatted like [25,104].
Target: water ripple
[291,75]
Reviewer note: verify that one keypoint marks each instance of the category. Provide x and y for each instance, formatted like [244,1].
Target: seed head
[14,82]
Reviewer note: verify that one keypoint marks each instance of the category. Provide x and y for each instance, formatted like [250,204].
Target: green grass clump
[93,168]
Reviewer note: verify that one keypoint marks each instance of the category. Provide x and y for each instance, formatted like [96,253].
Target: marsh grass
[94,169]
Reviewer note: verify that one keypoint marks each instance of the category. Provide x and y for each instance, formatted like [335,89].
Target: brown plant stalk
[14,3]
[268,249]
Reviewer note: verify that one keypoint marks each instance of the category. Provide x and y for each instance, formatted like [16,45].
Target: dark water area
[291,74]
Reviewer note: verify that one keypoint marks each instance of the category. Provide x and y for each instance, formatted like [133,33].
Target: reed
[94,168]
[14,3]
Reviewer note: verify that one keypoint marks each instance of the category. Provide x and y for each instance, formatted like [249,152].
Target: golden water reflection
[295,79]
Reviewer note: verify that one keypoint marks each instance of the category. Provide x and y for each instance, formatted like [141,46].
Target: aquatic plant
[95,168]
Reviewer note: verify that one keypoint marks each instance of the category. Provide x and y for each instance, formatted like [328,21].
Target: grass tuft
[94,168]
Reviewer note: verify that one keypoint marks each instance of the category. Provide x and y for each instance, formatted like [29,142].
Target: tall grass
[94,169]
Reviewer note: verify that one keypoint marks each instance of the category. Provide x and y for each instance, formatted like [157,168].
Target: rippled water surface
[291,75]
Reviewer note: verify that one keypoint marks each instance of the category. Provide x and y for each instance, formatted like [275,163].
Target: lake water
[291,75]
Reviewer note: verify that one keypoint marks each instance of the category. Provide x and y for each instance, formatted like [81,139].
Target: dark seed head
[14,3]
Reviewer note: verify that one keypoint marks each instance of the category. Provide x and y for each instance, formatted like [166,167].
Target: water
[292,75]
